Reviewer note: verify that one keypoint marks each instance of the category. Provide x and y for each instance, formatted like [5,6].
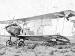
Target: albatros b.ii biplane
[14,29]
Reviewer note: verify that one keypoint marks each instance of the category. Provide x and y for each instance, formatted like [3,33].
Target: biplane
[14,29]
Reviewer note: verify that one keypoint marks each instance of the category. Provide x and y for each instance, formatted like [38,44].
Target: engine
[13,29]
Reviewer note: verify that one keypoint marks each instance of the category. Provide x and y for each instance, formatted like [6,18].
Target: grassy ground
[39,50]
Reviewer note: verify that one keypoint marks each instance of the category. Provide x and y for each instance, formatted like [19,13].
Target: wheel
[15,43]
[21,43]
[9,43]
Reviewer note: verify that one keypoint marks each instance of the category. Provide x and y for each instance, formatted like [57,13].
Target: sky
[10,9]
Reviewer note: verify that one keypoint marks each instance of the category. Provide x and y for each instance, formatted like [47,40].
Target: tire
[9,43]
[21,43]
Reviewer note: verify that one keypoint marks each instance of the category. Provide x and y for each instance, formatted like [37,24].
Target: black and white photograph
[37,27]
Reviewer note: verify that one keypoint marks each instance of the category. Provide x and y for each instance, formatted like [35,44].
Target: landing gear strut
[18,43]
[9,42]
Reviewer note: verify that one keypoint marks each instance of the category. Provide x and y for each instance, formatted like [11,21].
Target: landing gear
[9,42]
[21,43]
[18,43]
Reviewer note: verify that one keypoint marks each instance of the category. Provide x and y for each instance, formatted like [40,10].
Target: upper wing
[45,16]
[55,15]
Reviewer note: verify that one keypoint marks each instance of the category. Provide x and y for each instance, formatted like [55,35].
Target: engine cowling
[13,29]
